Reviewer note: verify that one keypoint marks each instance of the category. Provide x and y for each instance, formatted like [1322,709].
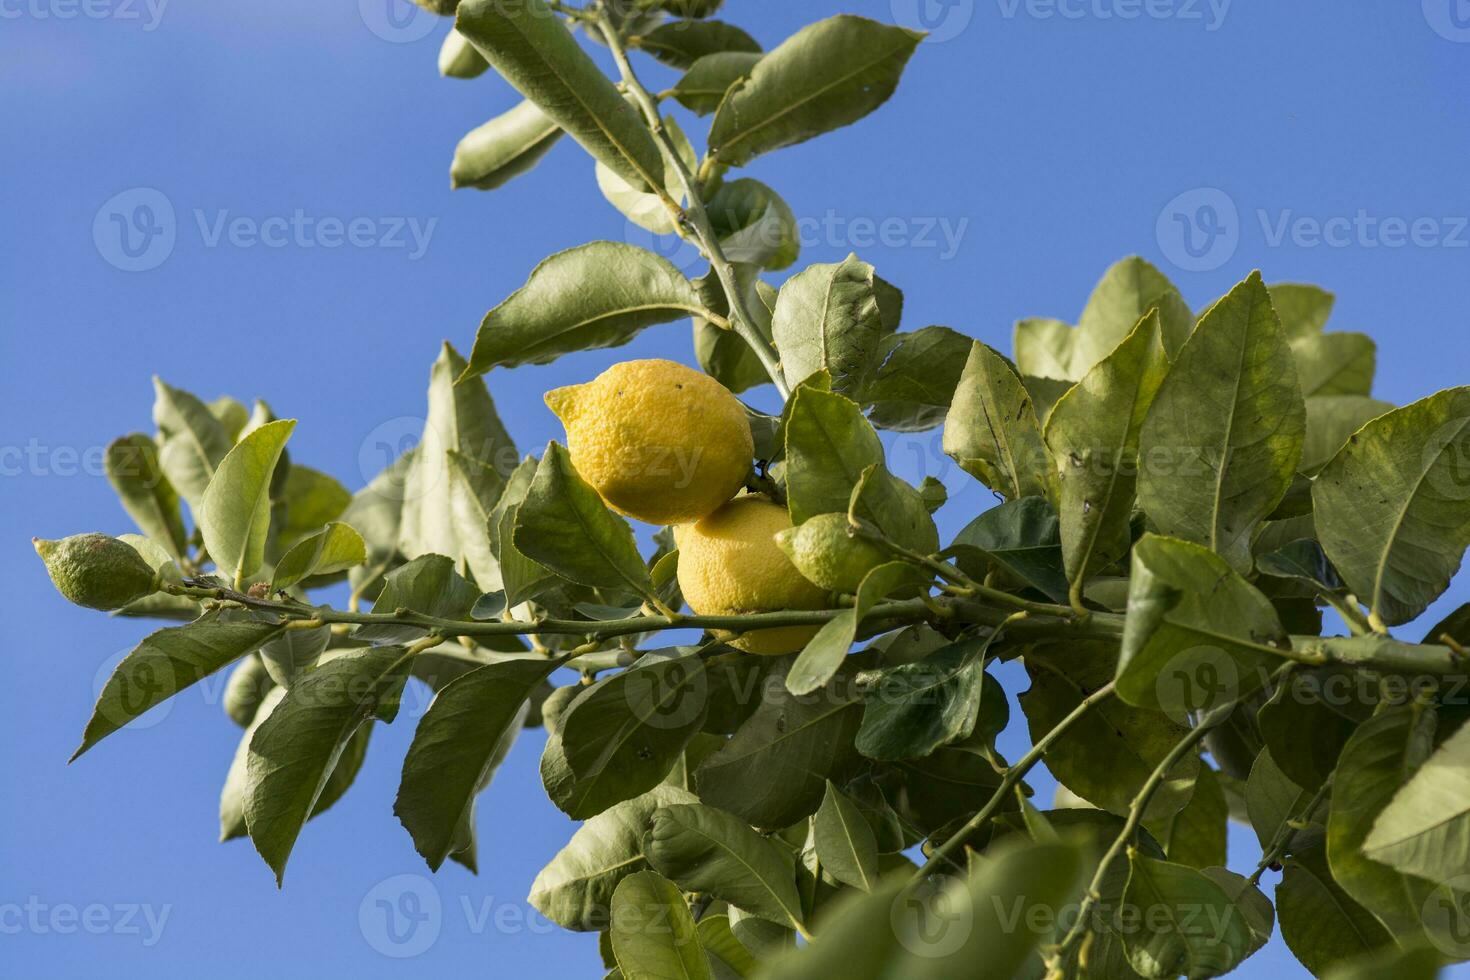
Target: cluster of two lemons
[666,444]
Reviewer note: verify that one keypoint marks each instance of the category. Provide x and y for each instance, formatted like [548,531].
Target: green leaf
[1272,799]
[645,208]
[827,319]
[461,418]
[1425,829]
[915,381]
[824,77]
[828,446]
[592,296]
[1193,927]
[883,503]
[1319,922]
[1196,835]
[1420,963]
[294,752]
[704,85]
[1393,506]
[653,932]
[309,501]
[1223,438]
[192,441]
[576,889]
[728,955]
[165,663]
[511,144]
[1105,757]
[912,709]
[690,8]
[564,525]
[1195,630]
[773,771]
[708,850]
[1024,538]
[991,429]
[287,656]
[235,513]
[1092,435]
[625,733]
[754,224]
[456,747]
[824,653]
[1302,309]
[845,843]
[681,43]
[134,471]
[528,44]
[474,490]
[1331,419]
[1379,758]
[1335,363]
[459,59]
[335,548]
[721,352]
[427,585]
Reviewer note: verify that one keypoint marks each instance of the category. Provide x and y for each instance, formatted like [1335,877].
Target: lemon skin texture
[97,571]
[661,442]
[730,564]
[825,552]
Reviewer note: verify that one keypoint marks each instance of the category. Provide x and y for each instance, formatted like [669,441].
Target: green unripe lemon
[823,549]
[97,570]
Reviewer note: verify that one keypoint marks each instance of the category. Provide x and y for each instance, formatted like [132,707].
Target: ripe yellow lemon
[661,442]
[730,564]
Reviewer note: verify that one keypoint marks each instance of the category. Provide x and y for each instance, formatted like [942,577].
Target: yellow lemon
[730,564]
[660,441]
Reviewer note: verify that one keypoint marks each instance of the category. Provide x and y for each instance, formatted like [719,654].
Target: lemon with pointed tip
[825,550]
[97,570]
[730,565]
[661,442]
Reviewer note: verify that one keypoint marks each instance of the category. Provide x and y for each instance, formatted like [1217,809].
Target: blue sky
[1030,145]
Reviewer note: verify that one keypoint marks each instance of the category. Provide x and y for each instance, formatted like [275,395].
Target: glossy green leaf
[704,85]
[294,751]
[528,44]
[134,471]
[1195,630]
[1272,800]
[564,525]
[511,144]
[1331,419]
[720,351]
[773,771]
[1092,435]
[1224,436]
[1418,963]
[916,377]
[825,76]
[1425,829]
[474,490]
[592,296]
[727,954]
[626,732]
[827,318]
[192,441]
[459,59]
[167,662]
[335,548]
[828,446]
[653,933]
[1302,309]
[912,709]
[754,224]
[1335,363]
[883,503]
[576,889]
[1021,536]
[288,655]
[1319,922]
[1196,835]
[1192,925]
[1393,506]
[845,843]
[709,850]
[681,43]
[235,512]
[645,208]
[427,585]
[309,501]
[1106,756]
[455,749]
[991,429]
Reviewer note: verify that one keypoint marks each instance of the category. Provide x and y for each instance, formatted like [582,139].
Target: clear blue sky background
[1051,142]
